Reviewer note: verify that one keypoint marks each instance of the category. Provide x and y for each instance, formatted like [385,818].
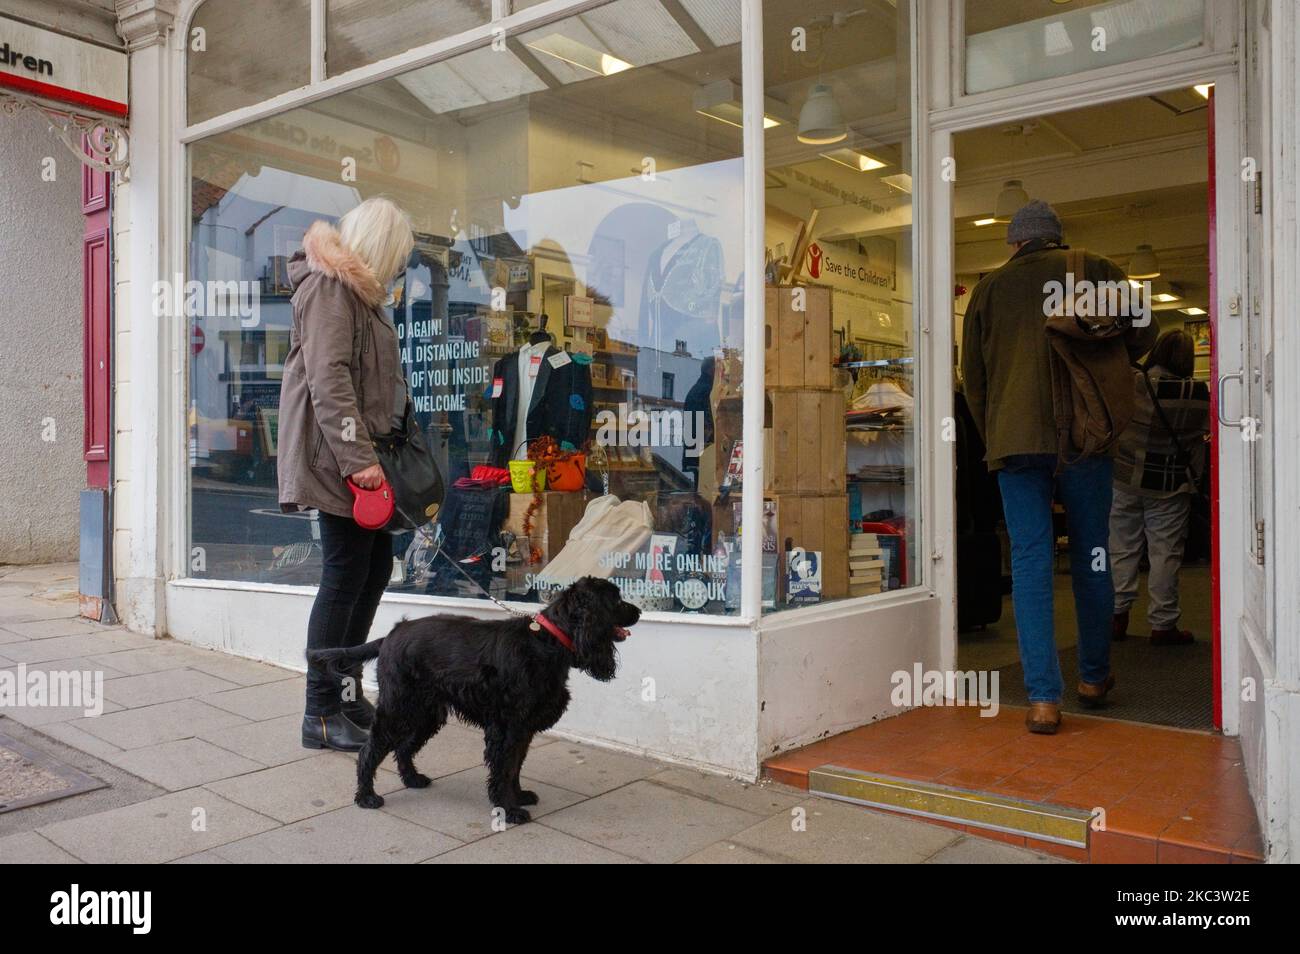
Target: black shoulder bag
[412,472]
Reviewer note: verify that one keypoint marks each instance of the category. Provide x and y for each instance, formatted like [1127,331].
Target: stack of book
[866,564]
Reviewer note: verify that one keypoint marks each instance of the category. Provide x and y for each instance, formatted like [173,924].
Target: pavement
[201,762]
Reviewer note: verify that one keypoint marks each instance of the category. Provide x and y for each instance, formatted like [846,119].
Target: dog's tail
[347,657]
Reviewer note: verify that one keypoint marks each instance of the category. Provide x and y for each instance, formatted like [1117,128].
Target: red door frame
[97,326]
[1215,605]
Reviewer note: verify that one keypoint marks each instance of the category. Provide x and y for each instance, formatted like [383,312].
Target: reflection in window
[1008,43]
[840,477]
[571,317]
[358,32]
[231,64]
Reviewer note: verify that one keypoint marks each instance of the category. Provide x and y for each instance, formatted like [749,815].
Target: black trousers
[355,568]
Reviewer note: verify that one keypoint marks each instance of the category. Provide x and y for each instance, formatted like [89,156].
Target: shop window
[358,32]
[578,200]
[1012,43]
[840,456]
[232,63]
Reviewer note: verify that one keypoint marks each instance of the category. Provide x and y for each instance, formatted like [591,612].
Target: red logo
[815,260]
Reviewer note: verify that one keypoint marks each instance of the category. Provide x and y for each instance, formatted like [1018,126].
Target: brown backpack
[1092,378]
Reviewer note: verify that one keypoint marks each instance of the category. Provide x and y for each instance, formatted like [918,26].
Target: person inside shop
[1158,464]
[1006,366]
[343,382]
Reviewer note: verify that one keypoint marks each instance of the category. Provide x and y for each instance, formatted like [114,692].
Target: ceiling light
[820,121]
[984,221]
[853,159]
[900,181]
[1193,310]
[721,101]
[1166,297]
[579,54]
[1143,263]
[1204,89]
[1011,200]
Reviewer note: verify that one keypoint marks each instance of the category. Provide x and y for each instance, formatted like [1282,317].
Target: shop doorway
[1130,180]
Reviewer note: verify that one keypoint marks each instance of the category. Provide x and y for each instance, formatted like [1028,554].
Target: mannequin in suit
[539,391]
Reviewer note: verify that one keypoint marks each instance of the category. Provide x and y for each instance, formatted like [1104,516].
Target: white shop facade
[691,192]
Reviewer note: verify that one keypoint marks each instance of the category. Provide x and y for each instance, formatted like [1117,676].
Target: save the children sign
[62,70]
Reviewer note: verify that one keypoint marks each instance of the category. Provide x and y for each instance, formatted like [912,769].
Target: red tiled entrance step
[1167,795]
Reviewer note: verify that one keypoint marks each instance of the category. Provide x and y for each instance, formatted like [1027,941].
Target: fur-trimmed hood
[323,252]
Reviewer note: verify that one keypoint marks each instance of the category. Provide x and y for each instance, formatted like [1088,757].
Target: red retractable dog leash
[372,509]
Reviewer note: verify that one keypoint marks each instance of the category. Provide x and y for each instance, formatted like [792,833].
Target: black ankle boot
[335,731]
[361,712]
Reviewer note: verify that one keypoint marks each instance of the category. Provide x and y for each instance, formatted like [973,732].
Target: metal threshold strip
[1052,823]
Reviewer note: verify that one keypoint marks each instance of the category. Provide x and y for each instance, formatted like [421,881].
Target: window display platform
[1168,795]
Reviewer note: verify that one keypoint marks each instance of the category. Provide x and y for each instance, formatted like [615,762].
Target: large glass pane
[232,61]
[840,485]
[1008,43]
[577,202]
[358,32]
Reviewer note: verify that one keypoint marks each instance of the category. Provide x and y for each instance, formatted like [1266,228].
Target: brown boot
[1093,694]
[1119,627]
[1172,637]
[1043,718]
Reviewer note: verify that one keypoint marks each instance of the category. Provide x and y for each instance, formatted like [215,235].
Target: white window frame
[177,490]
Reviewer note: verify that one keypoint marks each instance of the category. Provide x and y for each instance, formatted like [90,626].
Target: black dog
[509,677]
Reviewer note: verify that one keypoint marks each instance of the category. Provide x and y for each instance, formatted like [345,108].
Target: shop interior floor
[1159,794]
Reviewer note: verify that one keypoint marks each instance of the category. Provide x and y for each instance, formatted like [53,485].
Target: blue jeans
[1027,481]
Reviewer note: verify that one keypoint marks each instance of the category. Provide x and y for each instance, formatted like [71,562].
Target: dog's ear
[585,612]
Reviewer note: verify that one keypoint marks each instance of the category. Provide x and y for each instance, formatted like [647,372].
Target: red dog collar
[541,622]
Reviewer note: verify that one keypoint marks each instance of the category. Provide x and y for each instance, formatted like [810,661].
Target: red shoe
[1172,637]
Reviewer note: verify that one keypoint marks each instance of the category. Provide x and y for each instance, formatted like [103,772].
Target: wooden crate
[809,455]
[817,522]
[798,344]
[553,521]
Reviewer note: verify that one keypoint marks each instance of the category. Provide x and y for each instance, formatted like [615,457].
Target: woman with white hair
[342,384]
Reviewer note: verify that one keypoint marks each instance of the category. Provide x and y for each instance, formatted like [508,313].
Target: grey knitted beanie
[1035,220]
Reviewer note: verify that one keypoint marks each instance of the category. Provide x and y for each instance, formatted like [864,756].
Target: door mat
[29,776]
[1159,685]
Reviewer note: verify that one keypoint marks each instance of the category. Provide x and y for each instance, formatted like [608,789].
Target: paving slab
[153,688]
[29,848]
[47,715]
[838,833]
[19,609]
[349,835]
[183,763]
[157,830]
[584,768]
[454,749]
[66,647]
[160,657]
[298,790]
[165,722]
[761,798]
[730,853]
[651,822]
[62,626]
[532,844]
[77,663]
[263,702]
[271,742]
[242,672]
[458,805]
[973,850]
